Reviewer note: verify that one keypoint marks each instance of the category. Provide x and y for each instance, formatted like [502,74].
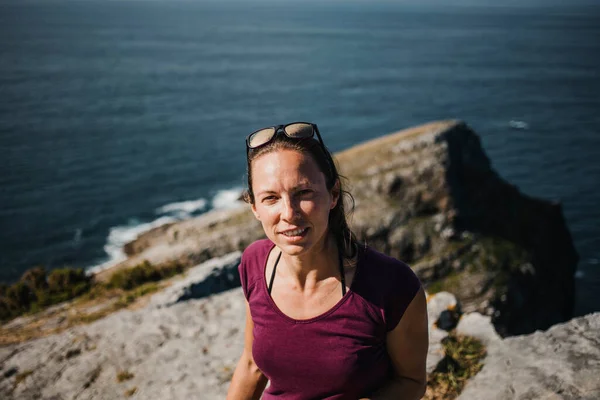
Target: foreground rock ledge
[185,343]
[429,196]
[561,363]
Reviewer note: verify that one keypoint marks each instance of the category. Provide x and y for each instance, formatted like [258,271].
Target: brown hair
[337,224]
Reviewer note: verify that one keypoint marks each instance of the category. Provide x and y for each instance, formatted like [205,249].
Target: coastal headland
[428,196]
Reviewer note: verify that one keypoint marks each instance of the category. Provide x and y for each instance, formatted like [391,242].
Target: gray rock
[436,350]
[187,349]
[177,347]
[478,326]
[438,306]
[213,276]
[560,363]
[174,349]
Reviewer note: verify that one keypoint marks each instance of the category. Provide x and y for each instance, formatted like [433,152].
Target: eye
[305,192]
[269,199]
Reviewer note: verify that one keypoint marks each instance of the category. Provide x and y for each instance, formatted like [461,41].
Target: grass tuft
[123,376]
[461,362]
[130,278]
[21,377]
[130,392]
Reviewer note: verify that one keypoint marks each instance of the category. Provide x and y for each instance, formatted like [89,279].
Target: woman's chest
[343,352]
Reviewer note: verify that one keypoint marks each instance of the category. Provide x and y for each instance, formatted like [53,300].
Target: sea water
[119,116]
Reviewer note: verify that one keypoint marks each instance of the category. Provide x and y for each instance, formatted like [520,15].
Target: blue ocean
[117,116]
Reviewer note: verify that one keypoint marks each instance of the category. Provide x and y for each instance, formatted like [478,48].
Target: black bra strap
[342,274]
[273,273]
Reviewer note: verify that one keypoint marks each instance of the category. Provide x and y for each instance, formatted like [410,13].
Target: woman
[326,317]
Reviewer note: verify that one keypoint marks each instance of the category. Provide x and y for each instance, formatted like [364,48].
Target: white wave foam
[118,236]
[183,209]
[516,124]
[228,198]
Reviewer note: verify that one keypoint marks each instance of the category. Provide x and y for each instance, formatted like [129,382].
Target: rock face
[186,342]
[183,345]
[428,196]
[561,363]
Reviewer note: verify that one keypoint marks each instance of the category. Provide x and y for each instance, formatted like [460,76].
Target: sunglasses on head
[295,130]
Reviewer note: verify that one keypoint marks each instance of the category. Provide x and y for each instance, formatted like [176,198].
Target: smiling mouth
[295,232]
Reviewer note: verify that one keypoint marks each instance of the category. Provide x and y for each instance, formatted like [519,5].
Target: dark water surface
[117,116]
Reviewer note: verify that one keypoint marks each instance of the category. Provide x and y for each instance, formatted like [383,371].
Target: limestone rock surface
[560,363]
[177,347]
[185,344]
[438,306]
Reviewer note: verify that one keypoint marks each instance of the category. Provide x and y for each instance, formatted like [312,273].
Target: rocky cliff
[428,196]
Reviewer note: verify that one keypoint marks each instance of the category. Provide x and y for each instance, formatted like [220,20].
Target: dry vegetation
[461,362]
[123,376]
[21,377]
[40,304]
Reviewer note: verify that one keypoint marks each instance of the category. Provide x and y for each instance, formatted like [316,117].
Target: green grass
[129,278]
[37,289]
[132,295]
[449,283]
[496,254]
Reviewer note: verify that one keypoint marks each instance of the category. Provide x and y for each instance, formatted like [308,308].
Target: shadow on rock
[219,280]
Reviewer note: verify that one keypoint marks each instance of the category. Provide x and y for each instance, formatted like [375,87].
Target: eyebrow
[266,192]
[295,189]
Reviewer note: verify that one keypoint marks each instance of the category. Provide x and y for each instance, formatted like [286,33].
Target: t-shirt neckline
[320,316]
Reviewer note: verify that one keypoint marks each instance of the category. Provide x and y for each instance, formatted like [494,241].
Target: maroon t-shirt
[340,354]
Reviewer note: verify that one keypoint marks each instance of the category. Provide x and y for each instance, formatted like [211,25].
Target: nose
[289,209]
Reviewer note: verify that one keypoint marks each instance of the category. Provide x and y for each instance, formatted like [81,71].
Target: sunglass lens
[260,137]
[299,130]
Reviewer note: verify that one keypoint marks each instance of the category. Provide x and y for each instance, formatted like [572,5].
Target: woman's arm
[407,346]
[248,381]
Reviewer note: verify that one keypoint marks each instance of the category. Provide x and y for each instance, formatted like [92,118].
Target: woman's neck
[309,270]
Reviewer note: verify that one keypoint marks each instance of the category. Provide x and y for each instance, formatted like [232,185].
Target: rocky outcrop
[183,345]
[561,363]
[193,241]
[428,196]
[186,341]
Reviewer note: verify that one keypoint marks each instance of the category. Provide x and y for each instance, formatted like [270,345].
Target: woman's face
[291,200]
